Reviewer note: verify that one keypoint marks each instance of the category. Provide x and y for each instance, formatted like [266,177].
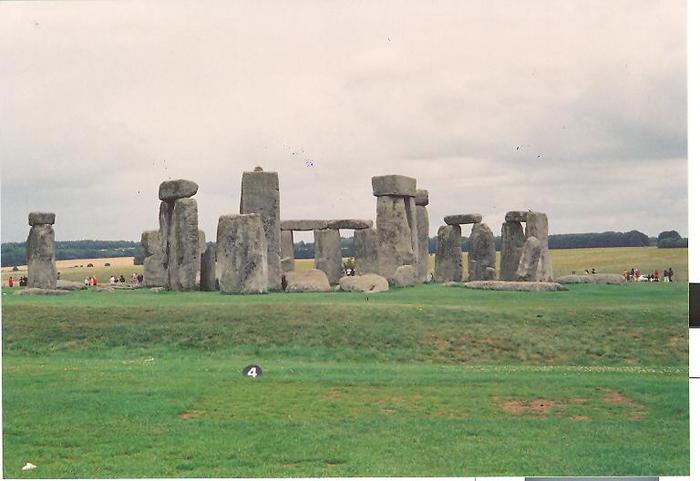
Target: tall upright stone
[241,254]
[482,253]
[260,194]
[512,240]
[287,250]
[155,269]
[423,235]
[41,258]
[327,254]
[365,248]
[207,276]
[397,237]
[537,226]
[448,256]
[530,260]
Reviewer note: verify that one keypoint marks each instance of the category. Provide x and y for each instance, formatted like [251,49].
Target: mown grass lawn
[429,381]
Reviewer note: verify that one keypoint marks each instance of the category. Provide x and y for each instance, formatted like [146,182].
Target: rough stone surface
[529,261]
[304,224]
[207,276]
[177,189]
[312,280]
[482,253]
[422,197]
[537,226]
[41,260]
[260,194]
[515,286]
[38,218]
[70,285]
[423,233]
[516,216]
[365,248]
[155,290]
[403,276]
[458,219]
[354,224]
[155,272]
[512,240]
[395,185]
[364,283]
[241,254]
[614,279]
[39,291]
[287,249]
[448,256]
[327,255]
[183,252]
[396,236]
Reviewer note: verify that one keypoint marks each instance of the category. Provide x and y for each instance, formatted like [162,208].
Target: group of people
[115,279]
[22,281]
[634,274]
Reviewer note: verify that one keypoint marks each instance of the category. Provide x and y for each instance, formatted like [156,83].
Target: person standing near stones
[670,274]
[11,282]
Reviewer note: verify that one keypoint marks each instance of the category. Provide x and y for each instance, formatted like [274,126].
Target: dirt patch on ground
[536,406]
[191,414]
[580,418]
[635,410]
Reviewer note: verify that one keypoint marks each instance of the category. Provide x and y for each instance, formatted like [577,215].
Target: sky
[573,108]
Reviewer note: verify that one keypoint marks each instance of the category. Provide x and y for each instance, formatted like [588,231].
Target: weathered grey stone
[613,279]
[516,216]
[207,276]
[421,197]
[512,240]
[529,260]
[515,286]
[403,276]
[155,290]
[109,289]
[177,189]
[39,291]
[482,253]
[202,242]
[395,240]
[155,271]
[537,226]
[327,255]
[355,224]
[304,225]
[260,194]
[312,280]
[364,283]
[395,185]
[164,215]
[183,255]
[448,256]
[41,260]
[241,254]
[458,219]
[365,248]
[70,285]
[287,248]
[38,218]
[423,233]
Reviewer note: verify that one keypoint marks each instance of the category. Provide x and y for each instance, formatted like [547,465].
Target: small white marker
[28,466]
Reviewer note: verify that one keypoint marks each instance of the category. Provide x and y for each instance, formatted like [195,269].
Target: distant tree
[668,234]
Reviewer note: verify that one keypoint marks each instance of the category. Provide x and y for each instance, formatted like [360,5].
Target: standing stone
[207,277]
[448,257]
[260,194]
[482,254]
[155,272]
[365,248]
[394,236]
[530,260]
[327,254]
[287,248]
[537,226]
[41,259]
[241,254]
[423,234]
[183,246]
[512,240]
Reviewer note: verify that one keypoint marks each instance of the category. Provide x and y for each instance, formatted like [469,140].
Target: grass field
[427,381]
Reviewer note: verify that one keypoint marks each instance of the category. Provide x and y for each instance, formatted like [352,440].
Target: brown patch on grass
[580,418]
[387,411]
[332,395]
[539,407]
[616,397]
[191,414]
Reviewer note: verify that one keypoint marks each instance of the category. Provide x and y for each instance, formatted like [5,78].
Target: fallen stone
[482,253]
[241,254]
[448,256]
[404,276]
[421,197]
[515,286]
[152,289]
[38,218]
[354,224]
[529,260]
[365,249]
[512,240]
[612,279]
[303,225]
[516,216]
[458,219]
[364,283]
[395,185]
[177,189]
[327,254]
[70,285]
[312,280]
[38,291]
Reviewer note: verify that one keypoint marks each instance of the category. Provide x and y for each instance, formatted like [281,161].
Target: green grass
[427,381]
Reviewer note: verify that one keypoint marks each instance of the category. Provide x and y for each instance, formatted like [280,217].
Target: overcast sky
[577,109]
